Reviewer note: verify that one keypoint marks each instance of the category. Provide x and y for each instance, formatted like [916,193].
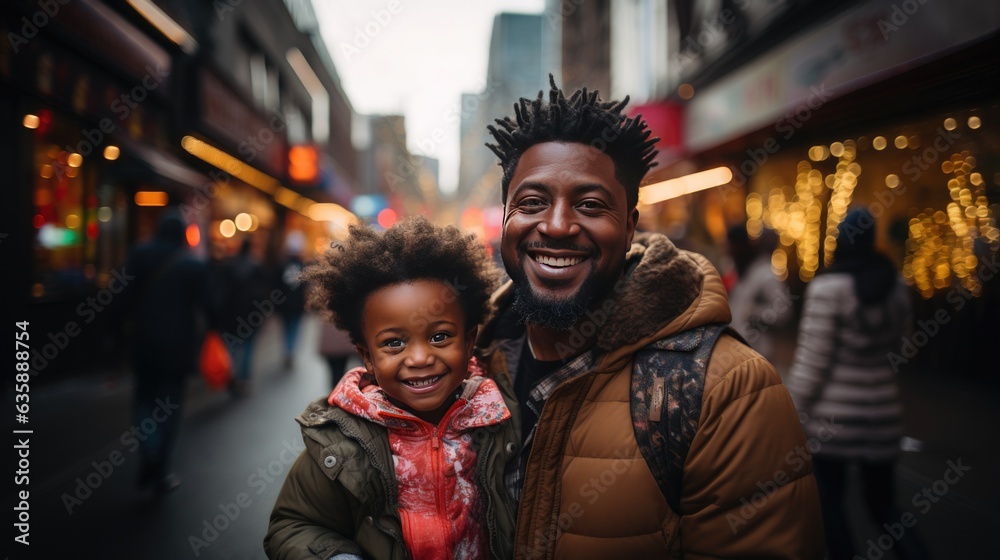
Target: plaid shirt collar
[577,367]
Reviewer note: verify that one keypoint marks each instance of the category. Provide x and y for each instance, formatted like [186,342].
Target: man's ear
[631,224]
[366,357]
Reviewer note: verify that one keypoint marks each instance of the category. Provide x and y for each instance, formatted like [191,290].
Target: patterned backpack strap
[668,380]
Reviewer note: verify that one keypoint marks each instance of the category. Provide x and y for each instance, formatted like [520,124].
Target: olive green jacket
[340,495]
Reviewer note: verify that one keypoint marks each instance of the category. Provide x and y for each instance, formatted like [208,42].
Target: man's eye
[531,202]
[591,204]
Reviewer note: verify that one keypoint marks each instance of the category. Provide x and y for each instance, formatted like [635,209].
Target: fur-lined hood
[663,290]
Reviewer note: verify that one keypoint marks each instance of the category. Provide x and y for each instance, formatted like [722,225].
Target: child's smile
[416,345]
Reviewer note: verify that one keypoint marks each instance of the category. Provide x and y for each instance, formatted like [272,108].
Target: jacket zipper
[481,462]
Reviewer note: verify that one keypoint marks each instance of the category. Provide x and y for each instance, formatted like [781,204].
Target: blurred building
[817,106]
[115,109]
[520,62]
[390,176]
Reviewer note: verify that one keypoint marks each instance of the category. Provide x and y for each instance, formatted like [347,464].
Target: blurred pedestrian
[292,306]
[336,348]
[856,312]
[759,301]
[239,282]
[164,304]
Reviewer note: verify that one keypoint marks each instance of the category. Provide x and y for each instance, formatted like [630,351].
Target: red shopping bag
[214,362]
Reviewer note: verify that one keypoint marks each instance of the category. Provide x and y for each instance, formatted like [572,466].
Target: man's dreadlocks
[583,118]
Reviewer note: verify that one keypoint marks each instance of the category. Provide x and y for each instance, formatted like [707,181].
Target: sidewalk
[949,485]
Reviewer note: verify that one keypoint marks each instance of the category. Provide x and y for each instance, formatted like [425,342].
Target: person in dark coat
[164,303]
[293,305]
[239,283]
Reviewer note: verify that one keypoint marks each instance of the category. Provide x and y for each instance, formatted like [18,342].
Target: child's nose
[420,355]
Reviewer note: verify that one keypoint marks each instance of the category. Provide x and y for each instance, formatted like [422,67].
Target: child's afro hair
[413,249]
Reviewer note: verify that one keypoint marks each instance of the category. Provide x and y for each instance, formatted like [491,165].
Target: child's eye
[393,343]
[440,337]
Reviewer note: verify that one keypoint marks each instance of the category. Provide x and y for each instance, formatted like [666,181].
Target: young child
[405,458]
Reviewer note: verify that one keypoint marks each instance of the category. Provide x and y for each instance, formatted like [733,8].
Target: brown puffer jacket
[748,489]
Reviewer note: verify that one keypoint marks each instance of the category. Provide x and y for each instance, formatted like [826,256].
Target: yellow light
[72,221]
[819,153]
[31,121]
[72,172]
[950,124]
[900,142]
[243,221]
[974,122]
[685,91]
[165,24]
[111,153]
[151,198]
[680,186]
[837,149]
[46,171]
[227,228]
[879,143]
[74,160]
[214,156]
[891,180]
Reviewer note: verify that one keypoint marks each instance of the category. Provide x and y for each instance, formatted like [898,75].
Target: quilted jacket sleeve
[749,491]
[311,518]
[814,352]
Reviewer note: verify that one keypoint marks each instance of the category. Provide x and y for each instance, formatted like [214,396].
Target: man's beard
[559,314]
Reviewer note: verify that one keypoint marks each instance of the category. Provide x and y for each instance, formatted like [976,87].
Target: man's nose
[560,221]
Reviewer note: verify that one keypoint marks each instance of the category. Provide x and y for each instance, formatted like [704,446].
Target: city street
[233,455]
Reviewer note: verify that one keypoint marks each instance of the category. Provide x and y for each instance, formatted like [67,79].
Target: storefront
[885,106]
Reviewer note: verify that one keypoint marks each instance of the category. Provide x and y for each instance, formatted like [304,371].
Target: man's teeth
[423,382]
[557,262]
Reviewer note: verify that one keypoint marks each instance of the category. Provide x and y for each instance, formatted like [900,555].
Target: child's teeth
[425,383]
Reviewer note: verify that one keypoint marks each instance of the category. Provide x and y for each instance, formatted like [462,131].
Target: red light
[38,221]
[92,231]
[193,235]
[303,164]
[387,217]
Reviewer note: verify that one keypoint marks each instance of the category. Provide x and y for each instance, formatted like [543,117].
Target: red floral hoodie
[434,465]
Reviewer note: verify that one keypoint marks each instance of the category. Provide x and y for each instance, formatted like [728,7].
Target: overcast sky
[415,62]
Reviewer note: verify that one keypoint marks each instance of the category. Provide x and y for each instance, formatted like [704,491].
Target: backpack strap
[668,380]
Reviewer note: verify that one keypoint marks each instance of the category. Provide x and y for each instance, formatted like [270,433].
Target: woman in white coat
[844,387]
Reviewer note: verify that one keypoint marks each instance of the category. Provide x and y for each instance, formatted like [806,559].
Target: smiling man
[590,337]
